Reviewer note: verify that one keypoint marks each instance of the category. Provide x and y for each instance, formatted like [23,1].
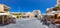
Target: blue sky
[28,5]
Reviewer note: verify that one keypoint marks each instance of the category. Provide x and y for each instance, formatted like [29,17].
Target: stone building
[37,13]
[5,17]
[17,15]
[30,15]
[4,8]
[54,10]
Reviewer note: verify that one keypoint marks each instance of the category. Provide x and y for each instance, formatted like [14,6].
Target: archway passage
[36,16]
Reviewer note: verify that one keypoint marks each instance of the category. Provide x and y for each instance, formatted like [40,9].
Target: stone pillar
[2,19]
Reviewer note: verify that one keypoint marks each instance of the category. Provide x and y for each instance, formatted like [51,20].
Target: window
[5,9]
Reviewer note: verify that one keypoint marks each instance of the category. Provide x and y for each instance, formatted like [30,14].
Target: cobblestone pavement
[26,23]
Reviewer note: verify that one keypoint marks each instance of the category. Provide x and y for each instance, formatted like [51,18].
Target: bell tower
[58,3]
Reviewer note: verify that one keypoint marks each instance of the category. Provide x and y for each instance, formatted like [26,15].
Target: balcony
[6,8]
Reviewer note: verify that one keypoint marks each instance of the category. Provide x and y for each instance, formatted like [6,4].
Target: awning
[50,14]
[4,14]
